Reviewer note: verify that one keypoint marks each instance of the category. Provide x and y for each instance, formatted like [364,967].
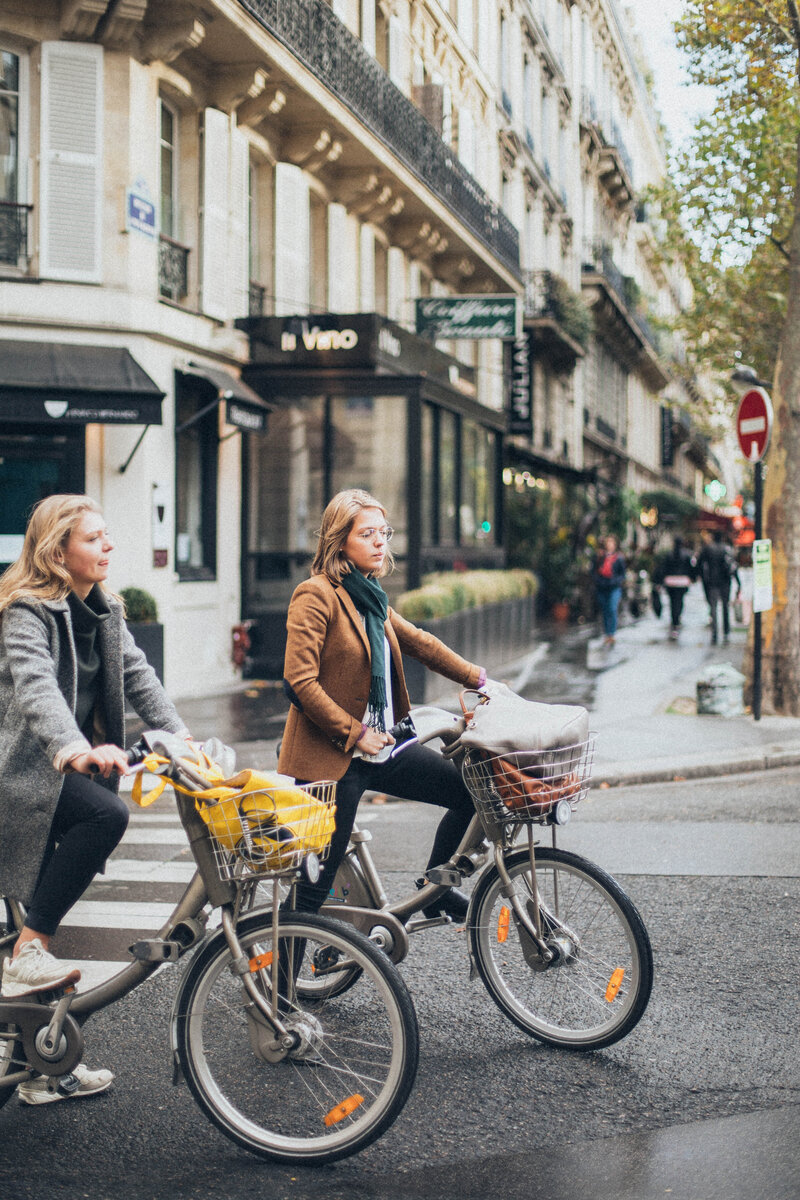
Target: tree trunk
[781,626]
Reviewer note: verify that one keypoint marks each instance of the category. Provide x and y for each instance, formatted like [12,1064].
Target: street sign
[762,575]
[470,317]
[754,423]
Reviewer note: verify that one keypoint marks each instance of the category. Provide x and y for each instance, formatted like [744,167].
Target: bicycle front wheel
[596,986]
[354,1061]
[12,1055]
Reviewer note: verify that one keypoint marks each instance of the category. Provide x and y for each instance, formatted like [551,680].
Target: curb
[621,776]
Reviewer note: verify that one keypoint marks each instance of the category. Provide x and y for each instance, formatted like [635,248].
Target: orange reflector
[614,984]
[260,962]
[343,1110]
[502,924]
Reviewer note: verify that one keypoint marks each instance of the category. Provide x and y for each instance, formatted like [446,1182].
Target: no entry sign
[754,423]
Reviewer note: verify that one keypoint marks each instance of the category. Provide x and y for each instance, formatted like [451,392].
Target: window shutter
[70,226]
[214,265]
[239,228]
[292,240]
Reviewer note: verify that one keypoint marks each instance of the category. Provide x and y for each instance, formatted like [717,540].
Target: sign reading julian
[471,317]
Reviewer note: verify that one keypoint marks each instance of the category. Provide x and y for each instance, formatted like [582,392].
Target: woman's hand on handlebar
[100,760]
[372,741]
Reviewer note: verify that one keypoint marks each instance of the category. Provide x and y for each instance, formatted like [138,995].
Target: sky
[679,101]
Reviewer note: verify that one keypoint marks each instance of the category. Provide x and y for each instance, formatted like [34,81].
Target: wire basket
[269,831]
[524,786]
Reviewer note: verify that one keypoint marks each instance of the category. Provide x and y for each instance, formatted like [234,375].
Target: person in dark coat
[676,572]
[717,568]
[68,666]
[608,576]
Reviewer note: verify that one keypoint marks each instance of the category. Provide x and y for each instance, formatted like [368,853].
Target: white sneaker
[80,1082]
[35,969]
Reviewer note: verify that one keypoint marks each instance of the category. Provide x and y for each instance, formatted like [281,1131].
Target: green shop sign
[473,317]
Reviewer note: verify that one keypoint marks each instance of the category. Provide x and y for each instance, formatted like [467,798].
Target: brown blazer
[327,668]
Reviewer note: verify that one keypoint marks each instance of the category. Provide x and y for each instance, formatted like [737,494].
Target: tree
[738,188]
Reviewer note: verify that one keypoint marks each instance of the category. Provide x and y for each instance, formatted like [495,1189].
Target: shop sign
[245,416]
[469,317]
[667,444]
[140,211]
[521,416]
[762,575]
[315,338]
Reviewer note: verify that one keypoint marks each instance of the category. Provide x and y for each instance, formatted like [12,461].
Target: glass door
[34,464]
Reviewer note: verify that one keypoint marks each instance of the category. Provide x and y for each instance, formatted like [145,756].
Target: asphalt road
[494,1113]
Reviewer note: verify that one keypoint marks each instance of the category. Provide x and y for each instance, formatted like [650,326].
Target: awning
[55,383]
[244,408]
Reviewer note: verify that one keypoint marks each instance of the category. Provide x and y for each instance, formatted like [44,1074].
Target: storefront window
[448,477]
[477,517]
[196,449]
[368,438]
[285,483]
[428,476]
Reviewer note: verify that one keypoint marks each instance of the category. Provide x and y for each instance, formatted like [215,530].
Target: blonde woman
[343,672]
[68,665]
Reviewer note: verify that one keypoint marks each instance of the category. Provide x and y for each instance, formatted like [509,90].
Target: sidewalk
[641,696]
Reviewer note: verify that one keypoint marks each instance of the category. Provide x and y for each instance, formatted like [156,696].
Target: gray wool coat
[38,692]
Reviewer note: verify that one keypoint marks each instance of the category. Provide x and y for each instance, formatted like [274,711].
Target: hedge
[448,592]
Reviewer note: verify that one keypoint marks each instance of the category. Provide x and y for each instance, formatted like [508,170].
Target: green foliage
[140,606]
[448,592]
[570,310]
[549,536]
[673,509]
[732,207]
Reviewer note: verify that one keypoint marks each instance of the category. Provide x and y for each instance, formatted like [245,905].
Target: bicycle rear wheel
[596,987]
[346,1081]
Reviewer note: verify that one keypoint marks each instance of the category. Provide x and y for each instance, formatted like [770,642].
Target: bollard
[720,691]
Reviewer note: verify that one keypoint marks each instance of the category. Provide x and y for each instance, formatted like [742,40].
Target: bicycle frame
[44,1028]
[469,856]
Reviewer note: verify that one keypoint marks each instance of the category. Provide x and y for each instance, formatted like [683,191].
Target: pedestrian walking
[68,669]
[717,568]
[676,572]
[608,576]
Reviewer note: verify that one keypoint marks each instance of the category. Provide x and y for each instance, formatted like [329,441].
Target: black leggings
[88,824]
[415,773]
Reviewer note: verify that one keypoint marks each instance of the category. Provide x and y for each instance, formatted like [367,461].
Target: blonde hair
[39,572]
[337,521]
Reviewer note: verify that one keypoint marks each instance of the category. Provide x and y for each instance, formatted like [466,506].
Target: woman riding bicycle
[68,666]
[343,673]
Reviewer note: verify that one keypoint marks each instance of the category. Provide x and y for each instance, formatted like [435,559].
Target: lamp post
[753,427]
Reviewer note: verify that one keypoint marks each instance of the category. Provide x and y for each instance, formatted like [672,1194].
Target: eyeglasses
[368,535]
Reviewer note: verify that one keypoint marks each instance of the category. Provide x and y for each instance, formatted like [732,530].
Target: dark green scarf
[370,600]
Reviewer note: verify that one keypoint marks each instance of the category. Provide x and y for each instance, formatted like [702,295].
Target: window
[168,170]
[196,449]
[448,477]
[367,440]
[13,215]
[477,517]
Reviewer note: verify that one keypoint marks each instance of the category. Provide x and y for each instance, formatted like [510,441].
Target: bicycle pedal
[156,950]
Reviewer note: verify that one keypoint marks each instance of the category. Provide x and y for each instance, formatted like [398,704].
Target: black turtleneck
[87,615]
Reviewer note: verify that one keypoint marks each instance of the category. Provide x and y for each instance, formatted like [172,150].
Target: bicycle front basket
[525,786]
[267,824]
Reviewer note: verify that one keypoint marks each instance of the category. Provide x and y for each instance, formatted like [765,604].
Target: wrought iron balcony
[315,36]
[173,268]
[559,319]
[14,233]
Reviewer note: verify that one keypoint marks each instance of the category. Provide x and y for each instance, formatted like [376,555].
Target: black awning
[244,408]
[55,383]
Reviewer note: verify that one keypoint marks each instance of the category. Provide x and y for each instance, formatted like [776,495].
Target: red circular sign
[754,423]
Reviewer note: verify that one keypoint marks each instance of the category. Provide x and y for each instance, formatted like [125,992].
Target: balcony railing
[322,43]
[548,295]
[173,268]
[14,233]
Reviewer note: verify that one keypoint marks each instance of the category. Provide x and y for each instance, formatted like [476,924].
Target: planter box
[491,636]
[149,638]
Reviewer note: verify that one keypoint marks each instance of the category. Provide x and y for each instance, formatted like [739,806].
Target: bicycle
[289,1078]
[560,947]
